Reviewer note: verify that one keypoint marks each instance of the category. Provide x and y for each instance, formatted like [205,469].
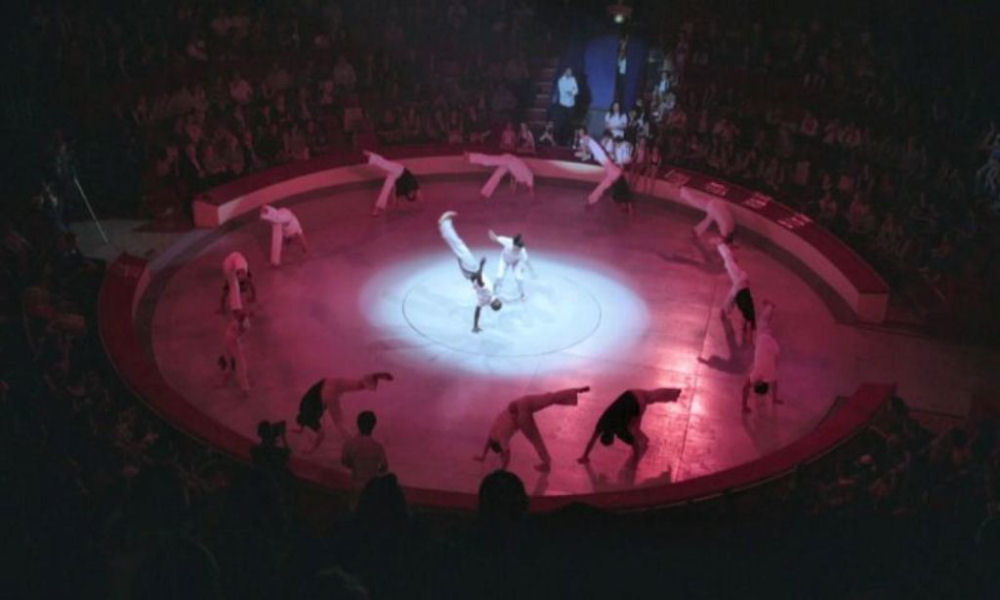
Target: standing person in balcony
[763,376]
[566,93]
[717,211]
[623,418]
[505,164]
[285,227]
[519,415]
[324,396]
[398,178]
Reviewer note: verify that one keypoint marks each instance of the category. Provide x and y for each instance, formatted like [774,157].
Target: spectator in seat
[344,78]
[615,120]
[525,140]
[508,137]
[362,455]
[240,90]
[548,137]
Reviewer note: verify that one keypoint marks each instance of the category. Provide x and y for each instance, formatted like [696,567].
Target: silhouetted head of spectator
[366,422]
[382,503]
[502,498]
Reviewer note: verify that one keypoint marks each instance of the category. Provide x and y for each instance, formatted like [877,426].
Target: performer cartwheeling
[324,395]
[739,292]
[614,178]
[471,270]
[716,211]
[238,288]
[285,227]
[763,376]
[622,420]
[398,177]
[513,255]
[519,415]
[504,163]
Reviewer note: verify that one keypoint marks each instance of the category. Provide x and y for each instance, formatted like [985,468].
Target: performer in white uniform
[471,270]
[232,360]
[238,284]
[513,255]
[716,211]
[763,376]
[519,415]
[612,173]
[285,227]
[739,292]
[504,163]
[324,396]
[398,178]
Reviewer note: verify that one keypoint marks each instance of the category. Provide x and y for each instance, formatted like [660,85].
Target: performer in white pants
[513,255]
[398,178]
[612,173]
[763,376]
[232,360]
[238,288]
[471,270]
[739,292]
[519,415]
[504,163]
[285,227]
[324,396]
[716,211]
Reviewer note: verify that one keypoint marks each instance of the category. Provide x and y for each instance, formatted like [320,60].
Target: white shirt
[484,293]
[623,153]
[568,91]
[282,216]
[616,123]
[511,254]
[723,218]
[765,358]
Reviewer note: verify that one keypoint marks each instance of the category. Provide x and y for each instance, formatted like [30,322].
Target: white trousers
[493,181]
[458,247]
[713,214]
[393,171]
[517,268]
[611,174]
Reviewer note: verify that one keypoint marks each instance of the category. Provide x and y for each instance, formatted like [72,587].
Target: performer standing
[763,376]
[519,415]
[470,269]
[398,177]
[285,227]
[232,360]
[739,292]
[324,395]
[513,255]
[504,163]
[612,176]
[622,419]
[238,284]
[716,211]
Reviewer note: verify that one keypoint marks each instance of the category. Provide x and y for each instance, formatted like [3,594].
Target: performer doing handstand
[622,420]
[470,269]
[285,227]
[504,163]
[324,395]
[398,177]
[519,415]
[739,292]
[513,255]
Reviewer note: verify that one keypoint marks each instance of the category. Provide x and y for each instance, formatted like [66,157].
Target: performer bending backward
[716,211]
[519,415]
[285,227]
[238,288]
[232,361]
[612,175]
[739,292]
[513,255]
[763,376]
[324,396]
[504,163]
[622,419]
[398,177]
[471,270]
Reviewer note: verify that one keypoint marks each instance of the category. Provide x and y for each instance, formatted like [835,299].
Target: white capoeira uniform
[284,226]
[611,171]
[717,212]
[466,261]
[504,163]
[233,351]
[514,257]
[393,171]
[737,277]
[519,415]
[766,351]
[230,265]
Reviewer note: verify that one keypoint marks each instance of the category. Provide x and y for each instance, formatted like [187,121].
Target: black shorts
[407,184]
[744,302]
[625,435]
[620,191]
[311,407]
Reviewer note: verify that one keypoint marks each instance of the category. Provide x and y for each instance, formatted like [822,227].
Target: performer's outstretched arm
[475,320]
[590,446]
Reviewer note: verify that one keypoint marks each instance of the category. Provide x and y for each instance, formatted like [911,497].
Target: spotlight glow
[571,310]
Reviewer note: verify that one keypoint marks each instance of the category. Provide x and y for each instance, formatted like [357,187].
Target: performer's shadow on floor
[736,362]
[625,478]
